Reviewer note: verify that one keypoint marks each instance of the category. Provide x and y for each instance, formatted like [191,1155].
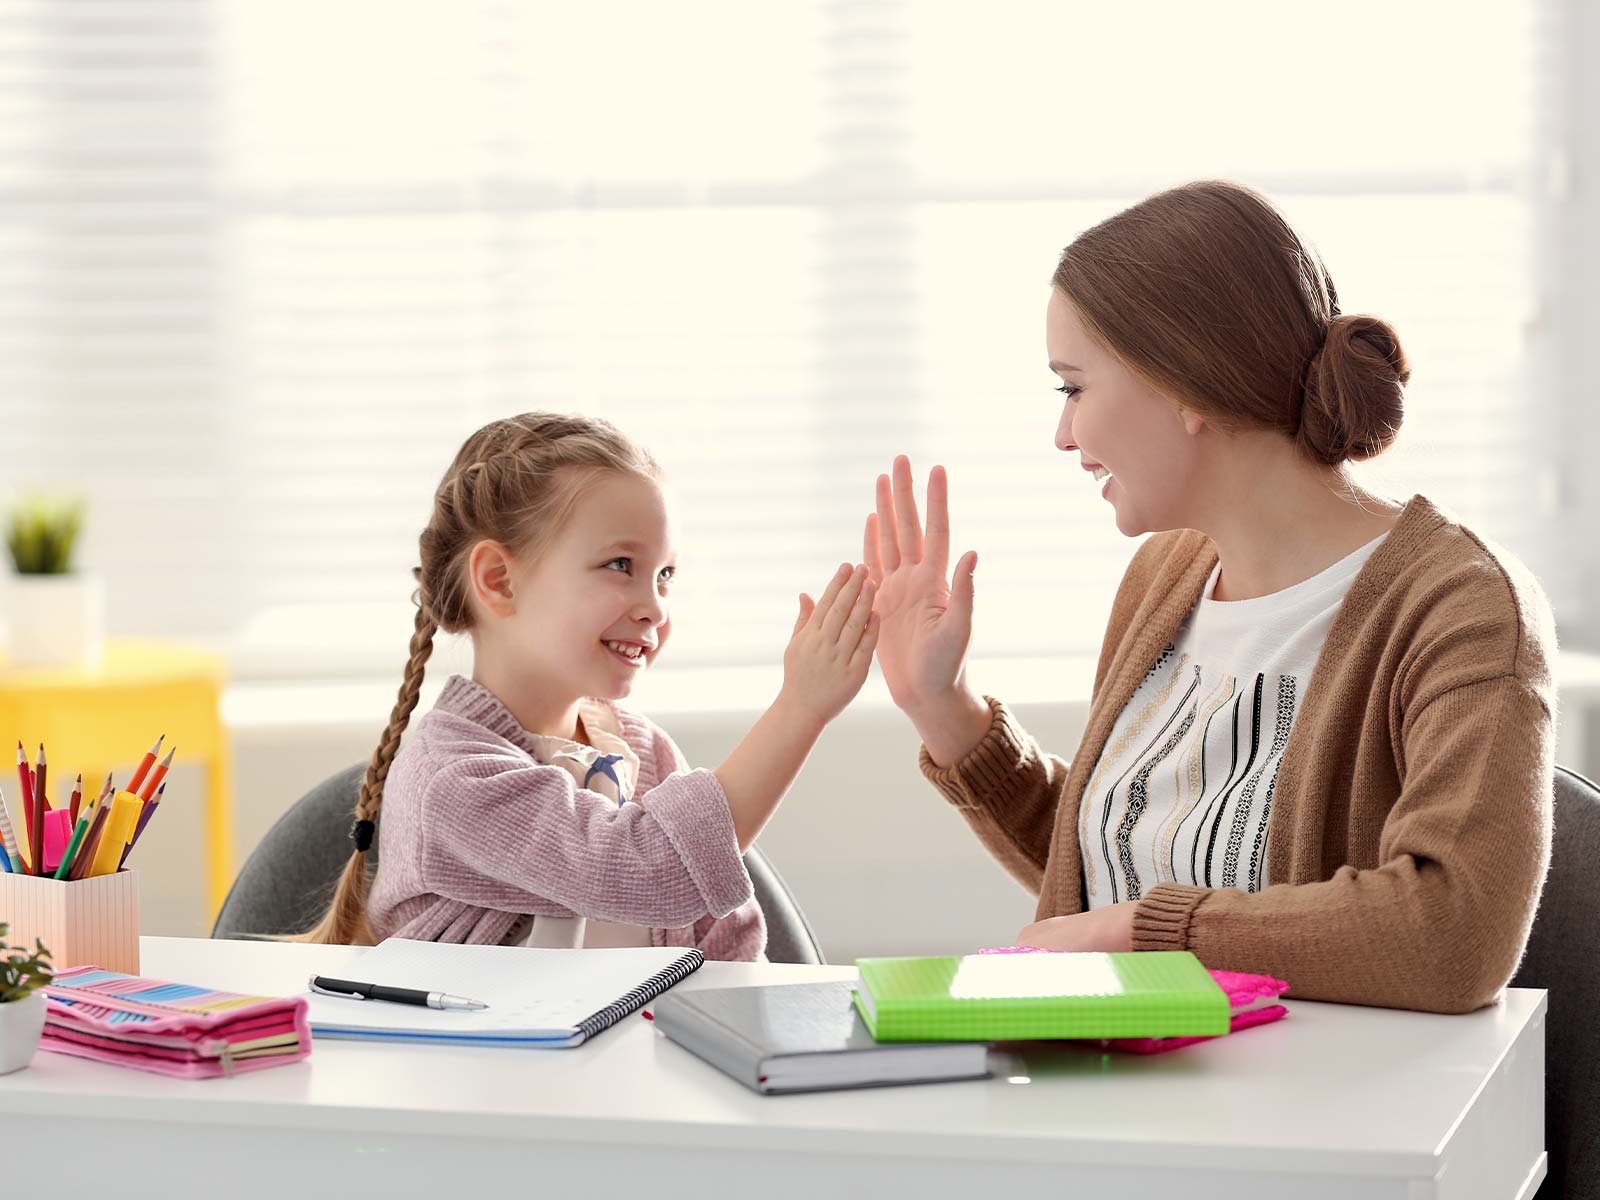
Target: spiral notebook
[538,999]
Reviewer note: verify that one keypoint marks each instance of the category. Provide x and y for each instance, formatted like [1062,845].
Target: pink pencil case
[170,1028]
[1242,990]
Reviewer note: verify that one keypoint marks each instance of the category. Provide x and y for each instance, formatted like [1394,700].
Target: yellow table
[101,719]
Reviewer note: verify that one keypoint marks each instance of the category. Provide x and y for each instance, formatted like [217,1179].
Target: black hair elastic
[361,834]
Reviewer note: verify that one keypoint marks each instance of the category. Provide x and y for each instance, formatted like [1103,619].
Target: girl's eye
[668,573]
[1067,390]
[627,564]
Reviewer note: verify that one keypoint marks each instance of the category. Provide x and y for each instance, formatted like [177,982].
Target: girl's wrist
[797,716]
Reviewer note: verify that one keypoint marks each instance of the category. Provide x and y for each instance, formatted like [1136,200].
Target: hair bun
[1354,392]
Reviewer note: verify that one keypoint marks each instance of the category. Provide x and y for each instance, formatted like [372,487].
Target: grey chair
[287,880]
[1564,958]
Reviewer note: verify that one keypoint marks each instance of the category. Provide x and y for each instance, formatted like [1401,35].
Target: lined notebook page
[530,993]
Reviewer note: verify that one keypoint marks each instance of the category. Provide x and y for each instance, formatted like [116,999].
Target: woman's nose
[1064,429]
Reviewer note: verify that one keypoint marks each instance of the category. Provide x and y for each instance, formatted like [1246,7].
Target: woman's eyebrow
[1061,366]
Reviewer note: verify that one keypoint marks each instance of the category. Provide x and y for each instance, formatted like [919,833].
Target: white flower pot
[21,1023]
[55,620]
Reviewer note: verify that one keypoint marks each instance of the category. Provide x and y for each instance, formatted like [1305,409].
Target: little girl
[528,808]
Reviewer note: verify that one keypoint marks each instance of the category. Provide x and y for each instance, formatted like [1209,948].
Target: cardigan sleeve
[1441,922]
[1008,791]
[501,832]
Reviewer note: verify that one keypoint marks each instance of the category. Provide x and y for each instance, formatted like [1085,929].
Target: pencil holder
[83,922]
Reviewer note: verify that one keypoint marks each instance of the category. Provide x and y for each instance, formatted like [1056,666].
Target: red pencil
[77,798]
[145,764]
[25,779]
[156,777]
[40,774]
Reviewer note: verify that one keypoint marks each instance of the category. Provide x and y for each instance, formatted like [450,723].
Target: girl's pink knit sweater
[477,834]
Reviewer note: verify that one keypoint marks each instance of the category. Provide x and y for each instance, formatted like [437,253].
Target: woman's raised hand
[927,620]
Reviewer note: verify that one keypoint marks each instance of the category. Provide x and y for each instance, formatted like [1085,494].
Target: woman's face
[1115,421]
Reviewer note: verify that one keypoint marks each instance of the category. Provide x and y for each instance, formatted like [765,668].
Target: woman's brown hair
[1208,293]
[514,482]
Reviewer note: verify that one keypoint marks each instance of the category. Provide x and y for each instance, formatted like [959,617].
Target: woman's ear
[490,568]
[1193,422]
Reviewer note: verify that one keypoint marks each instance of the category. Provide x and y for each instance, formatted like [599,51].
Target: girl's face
[590,610]
[1119,423]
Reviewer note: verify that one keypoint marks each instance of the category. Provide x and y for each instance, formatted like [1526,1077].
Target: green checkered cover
[1014,997]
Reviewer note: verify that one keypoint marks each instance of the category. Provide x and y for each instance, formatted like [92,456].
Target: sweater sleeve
[1441,922]
[1008,791]
[501,832]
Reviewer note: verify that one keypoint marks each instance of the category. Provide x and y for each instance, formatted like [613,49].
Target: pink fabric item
[171,1029]
[1241,989]
[477,833]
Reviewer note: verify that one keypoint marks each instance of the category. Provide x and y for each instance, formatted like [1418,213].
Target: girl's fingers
[862,655]
[888,548]
[869,550]
[937,548]
[843,604]
[860,612]
[840,577]
[909,527]
[806,605]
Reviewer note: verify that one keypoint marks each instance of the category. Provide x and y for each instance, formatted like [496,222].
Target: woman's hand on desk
[927,620]
[1108,929]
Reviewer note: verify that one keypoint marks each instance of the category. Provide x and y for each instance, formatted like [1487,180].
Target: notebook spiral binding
[691,962]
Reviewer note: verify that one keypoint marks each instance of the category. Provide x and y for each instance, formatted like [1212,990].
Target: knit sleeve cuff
[988,773]
[1162,919]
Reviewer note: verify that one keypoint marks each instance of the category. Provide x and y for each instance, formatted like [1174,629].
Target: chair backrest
[286,882]
[1564,958]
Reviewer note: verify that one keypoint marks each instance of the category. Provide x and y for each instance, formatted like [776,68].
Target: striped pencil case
[170,1028]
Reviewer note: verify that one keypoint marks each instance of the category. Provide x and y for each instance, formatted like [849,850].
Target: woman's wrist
[952,725]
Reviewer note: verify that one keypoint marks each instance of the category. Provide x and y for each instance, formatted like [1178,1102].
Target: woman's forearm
[952,726]
[763,766]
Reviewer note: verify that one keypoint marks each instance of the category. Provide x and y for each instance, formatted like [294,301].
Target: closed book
[1005,997]
[803,1037]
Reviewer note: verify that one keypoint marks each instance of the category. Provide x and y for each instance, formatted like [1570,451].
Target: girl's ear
[490,567]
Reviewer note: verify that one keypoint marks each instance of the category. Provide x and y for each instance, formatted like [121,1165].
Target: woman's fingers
[908,528]
[839,612]
[840,578]
[869,550]
[937,548]
[888,547]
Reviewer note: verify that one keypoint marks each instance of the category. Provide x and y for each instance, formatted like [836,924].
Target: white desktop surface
[1332,1101]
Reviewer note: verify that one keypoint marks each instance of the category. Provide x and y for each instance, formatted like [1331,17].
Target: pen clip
[324,991]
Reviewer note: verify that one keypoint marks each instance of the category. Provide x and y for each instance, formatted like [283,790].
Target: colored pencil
[77,798]
[67,855]
[91,842]
[8,837]
[145,764]
[145,818]
[25,780]
[157,776]
[40,775]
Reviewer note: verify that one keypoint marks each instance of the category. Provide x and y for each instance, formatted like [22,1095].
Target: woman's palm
[925,622]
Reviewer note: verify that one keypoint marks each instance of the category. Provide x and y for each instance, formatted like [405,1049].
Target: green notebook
[1013,997]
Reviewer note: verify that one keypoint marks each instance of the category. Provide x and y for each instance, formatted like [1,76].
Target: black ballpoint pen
[396,995]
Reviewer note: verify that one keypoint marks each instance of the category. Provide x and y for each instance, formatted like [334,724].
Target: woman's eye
[1067,390]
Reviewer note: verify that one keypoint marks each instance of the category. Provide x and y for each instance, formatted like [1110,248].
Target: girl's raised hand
[831,647]
[927,621]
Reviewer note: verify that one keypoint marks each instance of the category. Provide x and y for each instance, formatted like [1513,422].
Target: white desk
[1332,1102]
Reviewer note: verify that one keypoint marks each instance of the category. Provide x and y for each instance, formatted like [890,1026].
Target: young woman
[1320,739]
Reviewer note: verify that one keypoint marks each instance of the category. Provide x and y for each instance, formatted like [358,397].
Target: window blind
[266,265]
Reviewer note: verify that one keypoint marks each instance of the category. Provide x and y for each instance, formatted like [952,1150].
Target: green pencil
[72,846]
